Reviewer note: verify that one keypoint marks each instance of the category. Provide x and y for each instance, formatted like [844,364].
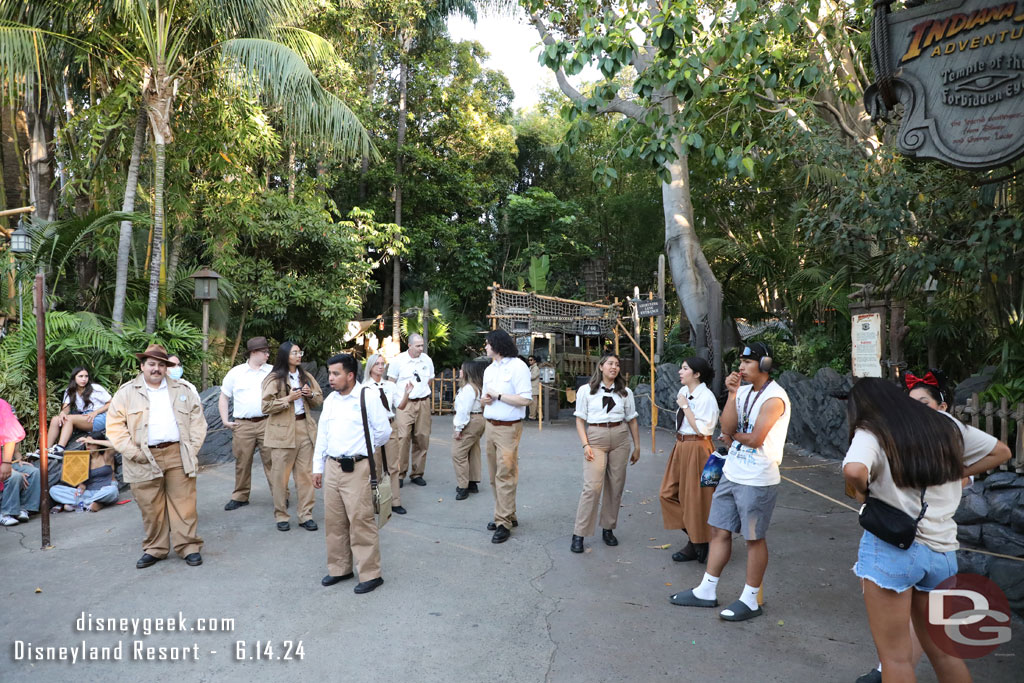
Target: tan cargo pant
[466,452]
[246,437]
[349,525]
[286,462]
[168,507]
[413,425]
[604,478]
[391,448]
[503,458]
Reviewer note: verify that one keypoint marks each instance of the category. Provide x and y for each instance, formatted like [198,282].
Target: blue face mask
[175,372]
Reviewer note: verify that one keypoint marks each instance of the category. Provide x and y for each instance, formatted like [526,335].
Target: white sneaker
[56,453]
[7,520]
[23,516]
[34,455]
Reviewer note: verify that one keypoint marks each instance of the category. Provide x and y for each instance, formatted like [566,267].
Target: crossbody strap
[366,435]
[924,508]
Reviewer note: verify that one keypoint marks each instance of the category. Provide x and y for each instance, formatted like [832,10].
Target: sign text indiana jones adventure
[958,69]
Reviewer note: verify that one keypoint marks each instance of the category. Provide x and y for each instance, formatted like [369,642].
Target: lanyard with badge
[748,408]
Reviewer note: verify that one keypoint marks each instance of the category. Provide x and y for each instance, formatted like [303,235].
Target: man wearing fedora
[243,385]
[157,425]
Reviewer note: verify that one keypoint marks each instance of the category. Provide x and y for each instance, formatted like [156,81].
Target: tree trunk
[291,171]
[699,292]
[15,139]
[158,238]
[124,244]
[364,164]
[40,157]
[396,282]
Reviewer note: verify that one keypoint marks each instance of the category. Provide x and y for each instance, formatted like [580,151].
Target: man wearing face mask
[175,371]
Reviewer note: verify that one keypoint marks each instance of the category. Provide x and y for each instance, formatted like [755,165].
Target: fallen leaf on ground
[781,622]
[440,500]
[668,584]
[659,547]
[39,590]
[652,539]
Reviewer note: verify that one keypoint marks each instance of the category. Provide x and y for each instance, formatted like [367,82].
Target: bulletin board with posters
[866,342]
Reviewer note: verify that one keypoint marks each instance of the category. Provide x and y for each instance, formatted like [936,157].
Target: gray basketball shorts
[743,509]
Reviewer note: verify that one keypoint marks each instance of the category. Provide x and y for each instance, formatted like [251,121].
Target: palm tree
[167,44]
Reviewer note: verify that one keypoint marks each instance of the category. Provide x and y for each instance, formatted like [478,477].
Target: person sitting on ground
[19,481]
[100,488]
[84,409]
[912,460]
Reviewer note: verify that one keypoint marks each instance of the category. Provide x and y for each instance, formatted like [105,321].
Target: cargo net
[520,313]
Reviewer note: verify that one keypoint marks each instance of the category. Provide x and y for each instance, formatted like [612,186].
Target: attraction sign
[958,69]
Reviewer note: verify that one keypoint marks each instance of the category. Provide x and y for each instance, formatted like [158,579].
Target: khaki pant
[391,448]
[466,452]
[168,507]
[246,437]
[284,463]
[503,458]
[604,477]
[413,425]
[685,504]
[349,525]
[533,406]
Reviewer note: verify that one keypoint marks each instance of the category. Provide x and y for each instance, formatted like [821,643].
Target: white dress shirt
[705,410]
[507,376]
[467,402]
[391,394]
[244,386]
[403,369]
[592,407]
[340,430]
[293,381]
[162,425]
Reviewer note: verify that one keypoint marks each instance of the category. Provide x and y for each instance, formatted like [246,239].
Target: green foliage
[675,350]
[449,331]
[540,266]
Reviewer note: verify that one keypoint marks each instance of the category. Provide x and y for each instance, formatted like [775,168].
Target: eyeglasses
[297,353]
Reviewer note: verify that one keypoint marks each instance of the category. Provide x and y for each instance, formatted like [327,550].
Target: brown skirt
[685,504]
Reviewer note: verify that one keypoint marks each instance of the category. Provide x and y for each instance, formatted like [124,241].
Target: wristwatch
[499,397]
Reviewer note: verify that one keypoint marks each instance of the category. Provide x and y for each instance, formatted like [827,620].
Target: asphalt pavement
[454,606]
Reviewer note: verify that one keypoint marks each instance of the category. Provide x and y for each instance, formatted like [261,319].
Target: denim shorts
[887,566]
[99,423]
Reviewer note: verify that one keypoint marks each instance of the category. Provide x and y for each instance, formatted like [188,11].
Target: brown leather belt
[605,424]
[503,423]
[421,398]
[261,418]
[692,437]
[300,416]
[165,444]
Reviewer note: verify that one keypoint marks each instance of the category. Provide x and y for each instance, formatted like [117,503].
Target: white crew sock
[708,588]
[749,596]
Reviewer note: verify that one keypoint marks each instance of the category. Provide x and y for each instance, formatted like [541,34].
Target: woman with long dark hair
[84,408]
[685,504]
[289,393]
[910,457]
[606,424]
[469,427]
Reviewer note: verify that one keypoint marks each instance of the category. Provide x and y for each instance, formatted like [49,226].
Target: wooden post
[206,340]
[615,328]
[654,406]
[44,464]
[494,305]
[636,332]
[540,409]
[661,318]
[426,318]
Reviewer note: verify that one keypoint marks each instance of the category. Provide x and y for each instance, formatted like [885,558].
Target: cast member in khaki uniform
[534,385]
[685,504]
[244,386]
[157,425]
[341,467]
[413,367]
[289,393]
[469,427]
[392,399]
[605,421]
[506,395]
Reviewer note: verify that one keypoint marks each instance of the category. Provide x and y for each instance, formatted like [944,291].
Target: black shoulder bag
[892,525]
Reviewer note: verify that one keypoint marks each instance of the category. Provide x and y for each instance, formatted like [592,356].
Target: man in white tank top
[755,419]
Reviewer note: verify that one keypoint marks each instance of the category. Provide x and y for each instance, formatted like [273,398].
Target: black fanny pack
[892,525]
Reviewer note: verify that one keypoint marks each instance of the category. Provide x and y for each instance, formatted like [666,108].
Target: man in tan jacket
[157,425]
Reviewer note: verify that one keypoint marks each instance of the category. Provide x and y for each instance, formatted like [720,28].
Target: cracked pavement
[454,606]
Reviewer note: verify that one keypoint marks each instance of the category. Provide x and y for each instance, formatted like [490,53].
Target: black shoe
[491,525]
[473,488]
[309,525]
[688,553]
[367,586]
[419,481]
[283,526]
[702,552]
[331,580]
[194,559]
[461,494]
[398,509]
[577,544]
[501,534]
[235,504]
[147,560]
[401,483]
[609,537]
